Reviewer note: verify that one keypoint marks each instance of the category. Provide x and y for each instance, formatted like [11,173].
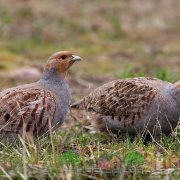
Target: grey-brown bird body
[39,106]
[35,101]
[135,105]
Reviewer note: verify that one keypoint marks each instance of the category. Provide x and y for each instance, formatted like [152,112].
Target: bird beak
[75,58]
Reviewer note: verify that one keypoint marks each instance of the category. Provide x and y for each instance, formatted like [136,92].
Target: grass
[76,154]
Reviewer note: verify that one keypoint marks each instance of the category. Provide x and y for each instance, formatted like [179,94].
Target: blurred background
[116,39]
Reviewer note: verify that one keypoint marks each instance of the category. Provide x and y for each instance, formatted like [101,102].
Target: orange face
[62,61]
[177,84]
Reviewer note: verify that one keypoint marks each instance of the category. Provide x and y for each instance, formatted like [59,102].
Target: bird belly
[155,121]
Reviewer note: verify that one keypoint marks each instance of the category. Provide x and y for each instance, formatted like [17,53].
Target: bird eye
[63,57]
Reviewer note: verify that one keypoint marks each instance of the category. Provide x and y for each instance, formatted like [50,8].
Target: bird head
[177,84]
[60,62]
[177,92]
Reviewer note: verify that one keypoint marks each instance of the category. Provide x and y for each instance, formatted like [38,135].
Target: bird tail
[76,105]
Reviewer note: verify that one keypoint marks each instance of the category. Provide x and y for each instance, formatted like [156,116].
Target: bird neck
[51,77]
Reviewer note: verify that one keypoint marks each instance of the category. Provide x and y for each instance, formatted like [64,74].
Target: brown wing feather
[34,107]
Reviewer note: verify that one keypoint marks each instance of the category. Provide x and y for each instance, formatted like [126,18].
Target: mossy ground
[116,39]
[77,153]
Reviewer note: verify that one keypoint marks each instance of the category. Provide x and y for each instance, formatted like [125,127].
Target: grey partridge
[135,105]
[30,107]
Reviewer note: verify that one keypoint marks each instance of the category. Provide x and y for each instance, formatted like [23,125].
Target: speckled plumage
[135,105]
[31,107]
